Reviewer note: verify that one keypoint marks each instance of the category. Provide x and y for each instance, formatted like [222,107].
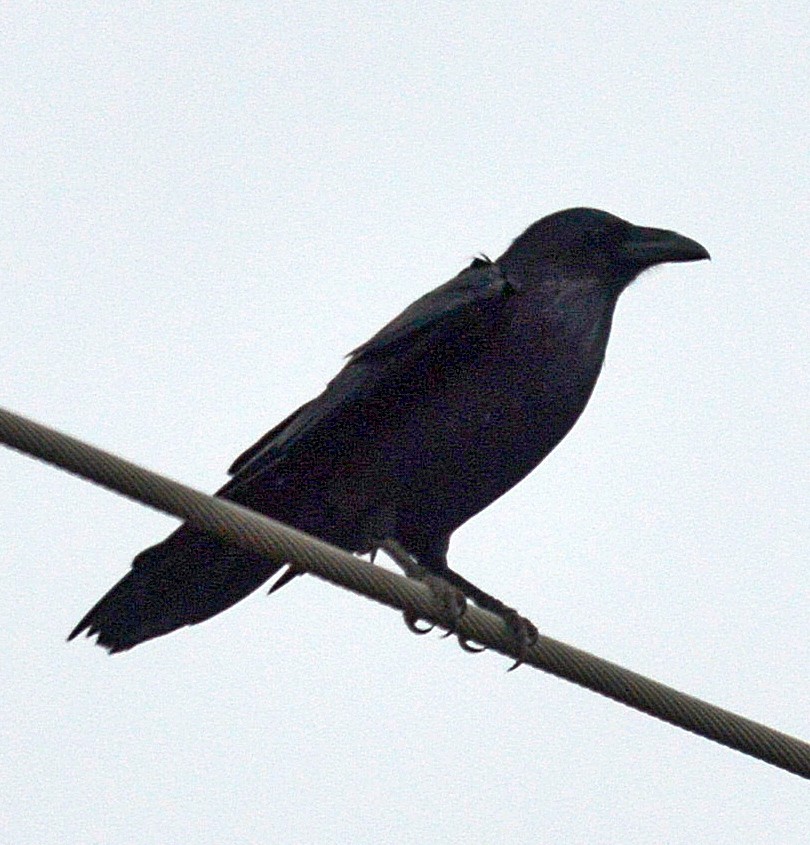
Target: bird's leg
[449,597]
[525,632]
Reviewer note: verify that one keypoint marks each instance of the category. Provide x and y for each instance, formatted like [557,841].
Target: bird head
[588,243]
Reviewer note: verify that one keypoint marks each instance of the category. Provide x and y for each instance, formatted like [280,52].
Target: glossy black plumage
[436,416]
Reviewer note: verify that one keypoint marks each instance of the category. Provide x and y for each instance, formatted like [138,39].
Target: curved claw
[471,649]
[526,634]
[456,611]
[411,620]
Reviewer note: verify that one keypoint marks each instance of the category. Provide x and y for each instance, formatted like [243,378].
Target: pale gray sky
[202,210]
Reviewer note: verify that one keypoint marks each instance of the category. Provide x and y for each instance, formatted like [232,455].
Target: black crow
[437,415]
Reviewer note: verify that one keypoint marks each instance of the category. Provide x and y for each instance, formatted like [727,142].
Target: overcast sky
[203,208]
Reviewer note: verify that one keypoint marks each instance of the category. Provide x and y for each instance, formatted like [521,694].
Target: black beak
[648,247]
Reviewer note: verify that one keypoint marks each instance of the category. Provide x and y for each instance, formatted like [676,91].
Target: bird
[432,419]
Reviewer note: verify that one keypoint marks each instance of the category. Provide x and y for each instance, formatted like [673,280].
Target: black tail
[189,577]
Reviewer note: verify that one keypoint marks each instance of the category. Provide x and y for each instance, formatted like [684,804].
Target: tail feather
[189,577]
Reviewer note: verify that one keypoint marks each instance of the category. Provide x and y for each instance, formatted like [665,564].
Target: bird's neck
[578,312]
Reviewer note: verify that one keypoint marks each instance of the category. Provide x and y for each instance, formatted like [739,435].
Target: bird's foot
[524,631]
[450,599]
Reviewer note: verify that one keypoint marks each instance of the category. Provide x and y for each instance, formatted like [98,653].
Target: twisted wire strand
[284,544]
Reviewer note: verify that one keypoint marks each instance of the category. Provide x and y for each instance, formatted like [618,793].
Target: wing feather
[373,365]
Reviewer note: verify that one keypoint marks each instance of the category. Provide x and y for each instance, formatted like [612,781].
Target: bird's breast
[493,406]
